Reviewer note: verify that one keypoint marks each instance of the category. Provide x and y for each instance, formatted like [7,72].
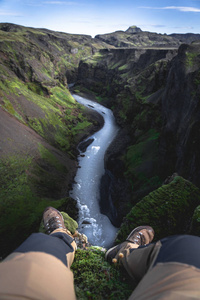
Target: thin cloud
[183,8]
[158,26]
[9,13]
[60,3]
[183,27]
[179,8]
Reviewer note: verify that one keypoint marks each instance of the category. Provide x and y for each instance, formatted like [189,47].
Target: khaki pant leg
[35,275]
[140,260]
[70,255]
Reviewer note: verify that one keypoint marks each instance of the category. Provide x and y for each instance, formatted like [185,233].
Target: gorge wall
[154,94]
[152,88]
[179,144]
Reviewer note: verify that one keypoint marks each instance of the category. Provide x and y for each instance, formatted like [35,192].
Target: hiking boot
[139,236]
[52,220]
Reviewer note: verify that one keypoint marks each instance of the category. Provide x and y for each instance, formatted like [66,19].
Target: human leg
[167,269]
[180,248]
[173,271]
[40,267]
[59,242]
[133,254]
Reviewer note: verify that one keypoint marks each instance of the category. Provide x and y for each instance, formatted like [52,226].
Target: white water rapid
[86,190]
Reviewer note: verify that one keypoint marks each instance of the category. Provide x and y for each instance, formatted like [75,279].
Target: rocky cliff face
[154,95]
[134,38]
[132,81]
[186,38]
[111,71]
[180,145]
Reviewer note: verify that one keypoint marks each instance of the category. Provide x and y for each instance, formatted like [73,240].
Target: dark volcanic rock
[139,39]
[187,37]
[108,72]
[180,145]
[106,203]
[83,145]
[133,29]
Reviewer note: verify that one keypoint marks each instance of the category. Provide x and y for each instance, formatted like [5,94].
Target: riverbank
[115,189]
[35,173]
[95,225]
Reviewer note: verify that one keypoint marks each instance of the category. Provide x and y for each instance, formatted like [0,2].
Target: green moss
[138,155]
[116,65]
[168,210]
[195,224]
[61,140]
[7,105]
[123,67]
[80,126]
[20,207]
[27,188]
[95,279]
[36,88]
[50,158]
[191,59]
[36,125]
[62,96]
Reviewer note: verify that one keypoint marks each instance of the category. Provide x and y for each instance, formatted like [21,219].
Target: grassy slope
[41,125]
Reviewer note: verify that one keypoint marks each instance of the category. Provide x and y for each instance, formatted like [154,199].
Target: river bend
[86,190]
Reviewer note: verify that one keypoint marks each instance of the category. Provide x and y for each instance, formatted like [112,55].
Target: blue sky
[103,16]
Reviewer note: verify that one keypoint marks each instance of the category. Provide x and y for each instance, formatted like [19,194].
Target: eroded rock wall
[179,145]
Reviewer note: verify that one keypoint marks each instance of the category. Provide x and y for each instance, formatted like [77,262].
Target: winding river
[86,190]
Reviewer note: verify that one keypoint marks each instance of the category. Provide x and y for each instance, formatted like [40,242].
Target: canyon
[149,81]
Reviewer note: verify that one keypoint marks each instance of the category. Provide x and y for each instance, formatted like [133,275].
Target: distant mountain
[134,37]
[133,29]
[187,38]
[139,39]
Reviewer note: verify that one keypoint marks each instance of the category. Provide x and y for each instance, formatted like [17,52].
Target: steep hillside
[40,125]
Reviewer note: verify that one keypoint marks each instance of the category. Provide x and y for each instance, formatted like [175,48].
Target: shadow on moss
[169,210]
[21,206]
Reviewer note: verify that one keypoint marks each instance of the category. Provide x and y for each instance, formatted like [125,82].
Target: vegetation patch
[191,58]
[20,207]
[168,210]
[27,187]
[141,162]
[95,279]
